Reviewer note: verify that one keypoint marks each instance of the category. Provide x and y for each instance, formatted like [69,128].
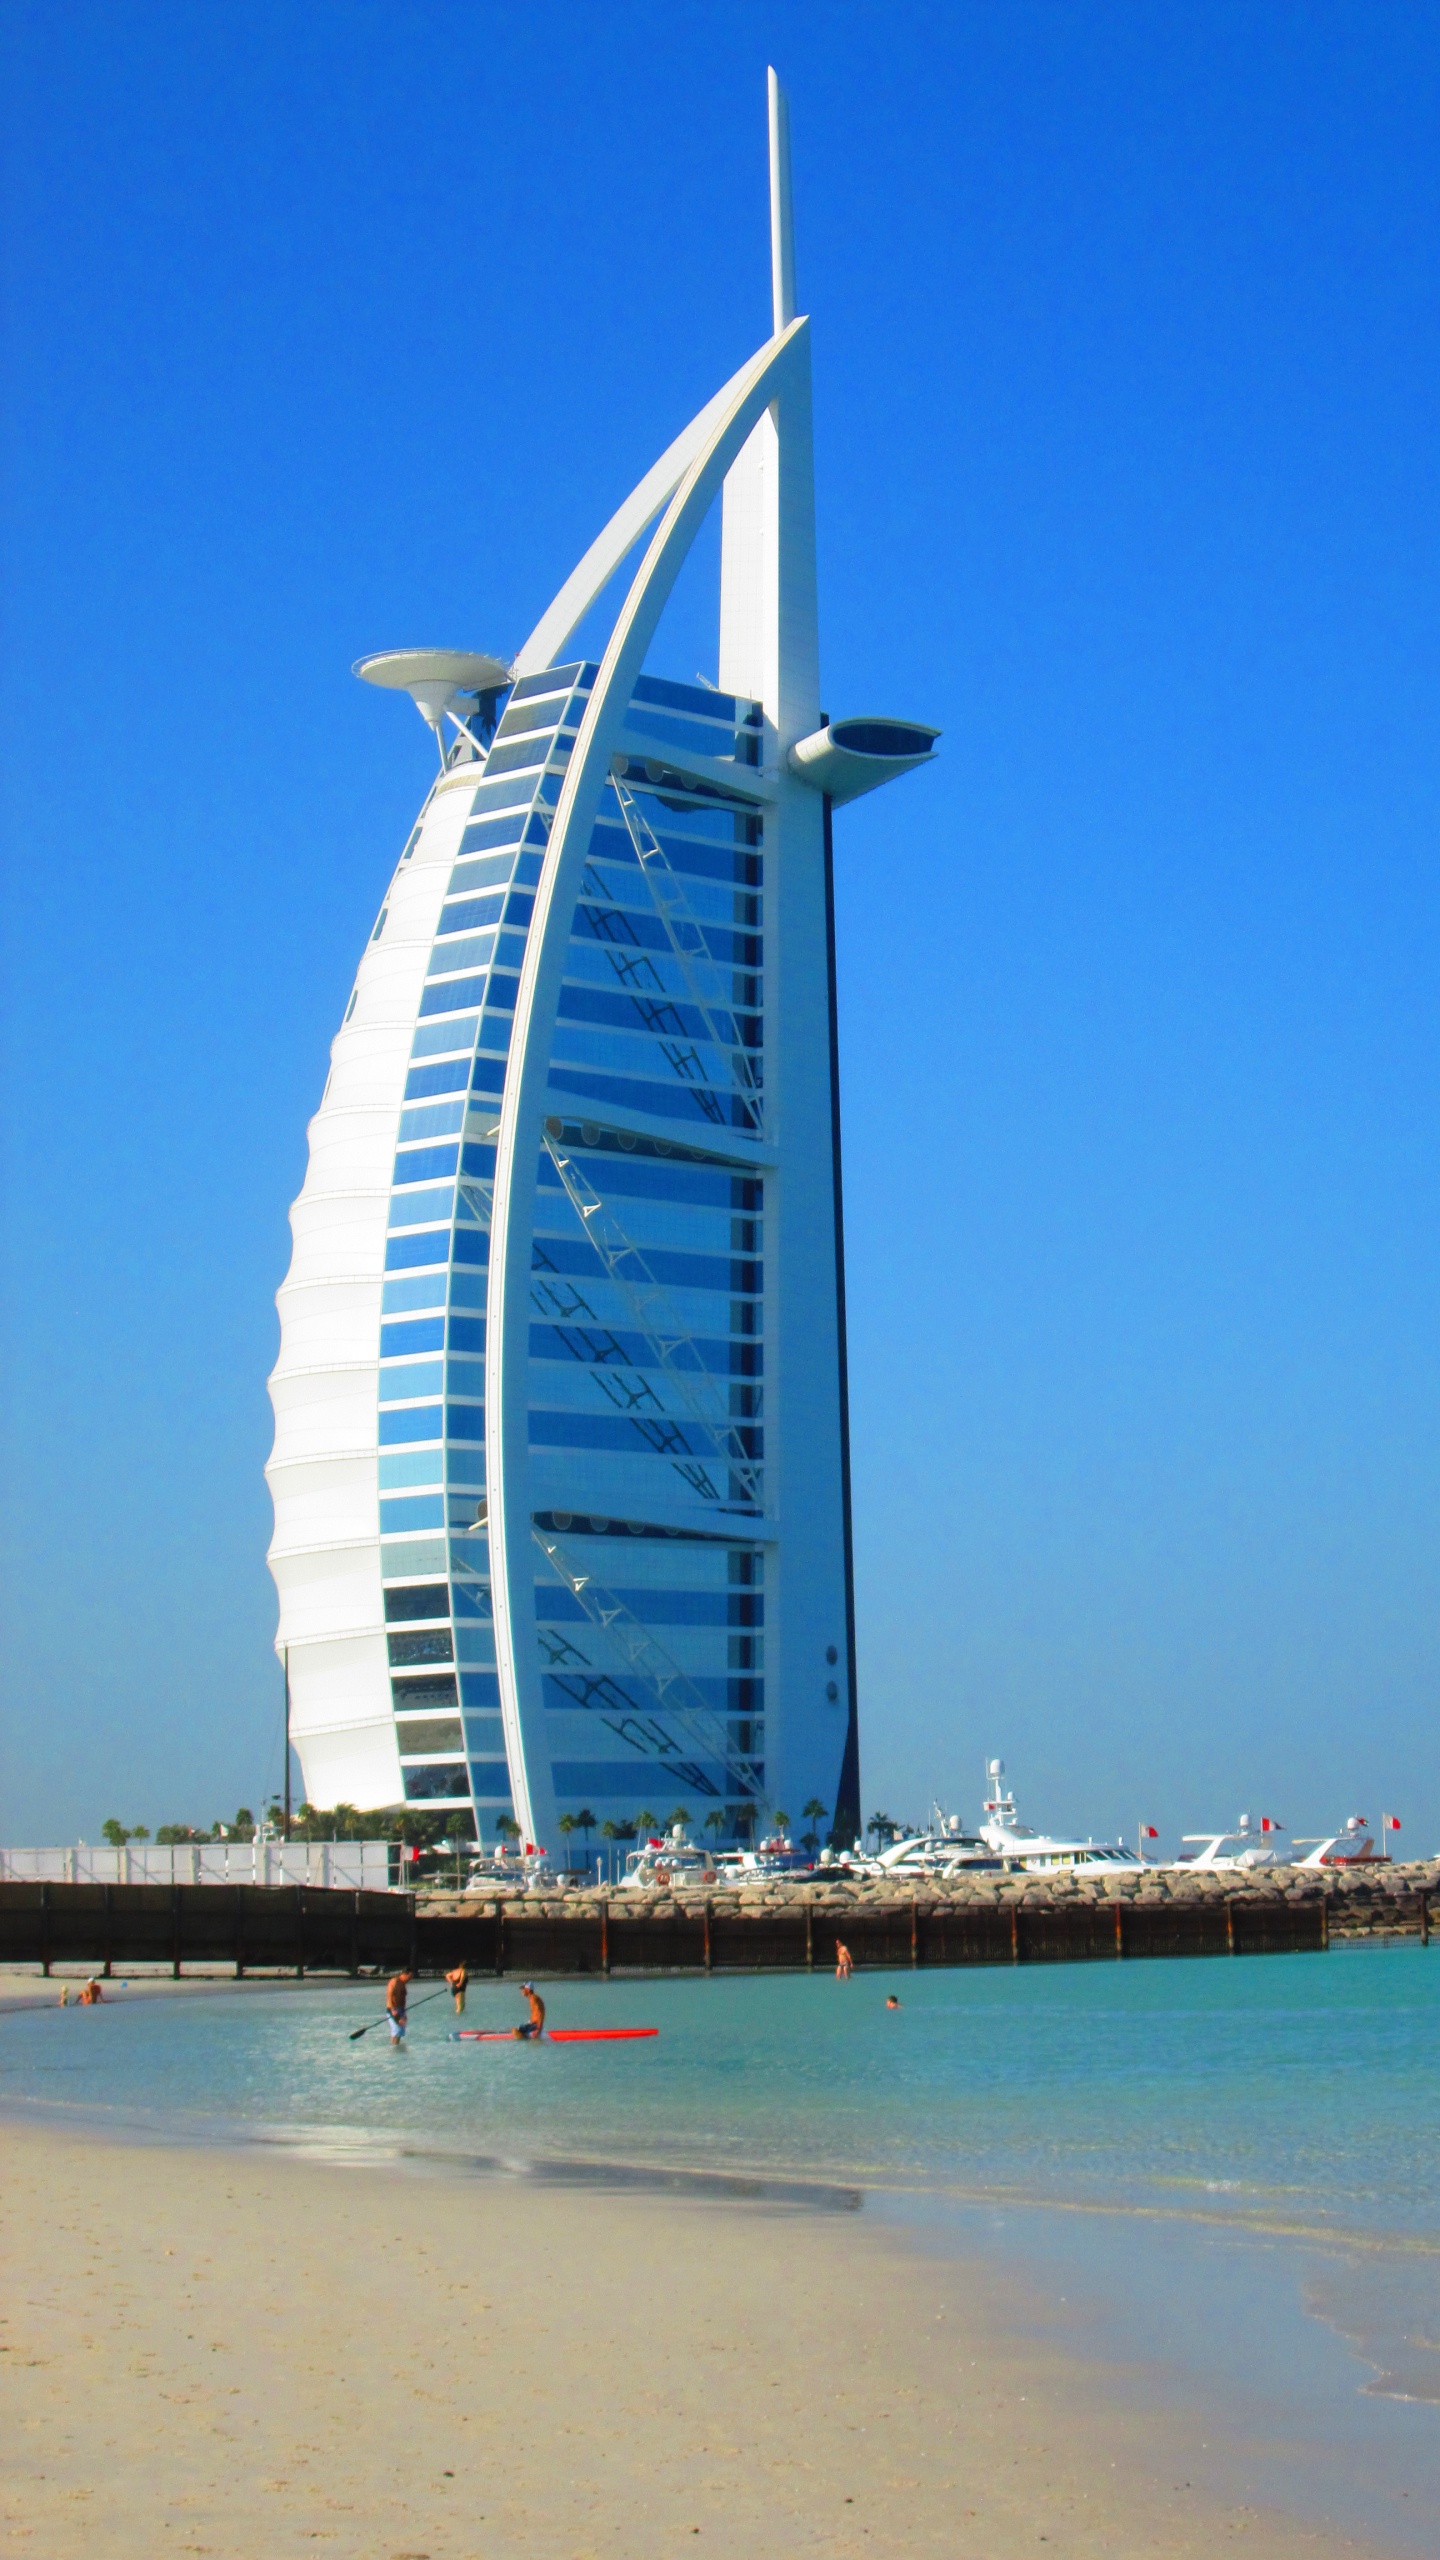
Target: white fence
[367,1864]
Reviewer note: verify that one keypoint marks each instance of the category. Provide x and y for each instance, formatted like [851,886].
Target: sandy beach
[248,2351]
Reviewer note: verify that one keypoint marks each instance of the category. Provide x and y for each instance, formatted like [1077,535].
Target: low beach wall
[786,1927]
[253,1928]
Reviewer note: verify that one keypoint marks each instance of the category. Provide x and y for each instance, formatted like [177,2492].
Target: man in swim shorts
[537,2014]
[458,1978]
[395,1994]
[844,1961]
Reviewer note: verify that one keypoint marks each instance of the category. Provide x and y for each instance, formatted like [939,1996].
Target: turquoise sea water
[1234,2165]
[1296,2091]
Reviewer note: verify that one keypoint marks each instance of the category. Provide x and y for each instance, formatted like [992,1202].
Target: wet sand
[248,2352]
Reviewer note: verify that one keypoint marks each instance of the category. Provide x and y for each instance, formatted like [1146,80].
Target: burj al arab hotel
[560,1472]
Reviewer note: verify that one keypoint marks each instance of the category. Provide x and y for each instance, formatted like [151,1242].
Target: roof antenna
[782,218]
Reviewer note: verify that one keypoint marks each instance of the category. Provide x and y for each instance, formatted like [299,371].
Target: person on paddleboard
[395,1994]
[458,1979]
[536,2026]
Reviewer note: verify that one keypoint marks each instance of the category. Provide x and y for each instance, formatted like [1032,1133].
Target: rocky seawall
[1381,1900]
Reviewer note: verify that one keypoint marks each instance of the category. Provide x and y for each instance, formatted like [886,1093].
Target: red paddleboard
[552,2035]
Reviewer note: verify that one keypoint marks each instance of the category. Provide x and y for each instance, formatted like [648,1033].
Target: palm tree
[883,1828]
[814,1812]
[565,1824]
[507,1826]
[647,1822]
[715,1820]
[585,1821]
[680,1818]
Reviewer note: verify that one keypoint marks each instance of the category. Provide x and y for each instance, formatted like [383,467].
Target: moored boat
[1016,1846]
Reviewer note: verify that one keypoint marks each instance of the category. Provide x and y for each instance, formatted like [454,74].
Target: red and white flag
[1389,1821]
[1148,1831]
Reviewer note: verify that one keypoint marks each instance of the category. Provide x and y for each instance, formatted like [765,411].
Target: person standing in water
[396,1990]
[458,1979]
[536,2026]
[844,1961]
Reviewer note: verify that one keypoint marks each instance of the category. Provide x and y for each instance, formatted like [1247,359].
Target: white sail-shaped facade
[560,1472]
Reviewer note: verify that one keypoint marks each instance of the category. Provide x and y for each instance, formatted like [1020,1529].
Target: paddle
[357,2032]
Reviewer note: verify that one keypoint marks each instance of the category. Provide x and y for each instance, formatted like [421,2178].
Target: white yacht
[774,1856]
[1246,1847]
[946,1849]
[1017,1847]
[1351,1847]
[662,1863]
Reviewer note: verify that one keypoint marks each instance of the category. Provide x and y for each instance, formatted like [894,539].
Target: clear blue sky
[342,327]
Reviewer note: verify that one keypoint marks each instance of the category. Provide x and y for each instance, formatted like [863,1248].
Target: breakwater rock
[985,1919]
[1382,1897]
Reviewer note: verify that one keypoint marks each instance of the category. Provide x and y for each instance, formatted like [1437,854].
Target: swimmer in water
[892,2002]
[536,2026]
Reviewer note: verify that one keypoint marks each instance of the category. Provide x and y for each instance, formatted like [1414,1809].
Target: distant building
[560,1469]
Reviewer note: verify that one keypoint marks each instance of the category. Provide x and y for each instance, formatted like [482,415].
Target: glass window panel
[472,952]
[676,1101]
[416,1422]
[418,1600]
[482,833]
[413,1555]
[430,1734]
[452,1077]
[554,680]
[422,1208]
[459,915]
[410,1466]
[515,791]
[469,878]
[519,757]
[690,697]
[433,1039]
[429,1690]
[439,1782]
[423,1164]
[420,1644]
[432,1120]
[445,999]
[426,1290]
[396,1340]
[426,1514]
[401,1382]
[692,737]
[405,1253]
[524,718]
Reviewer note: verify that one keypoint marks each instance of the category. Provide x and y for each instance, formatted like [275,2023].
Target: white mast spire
[782,217]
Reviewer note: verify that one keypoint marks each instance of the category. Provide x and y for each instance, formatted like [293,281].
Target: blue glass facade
[647,1340]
